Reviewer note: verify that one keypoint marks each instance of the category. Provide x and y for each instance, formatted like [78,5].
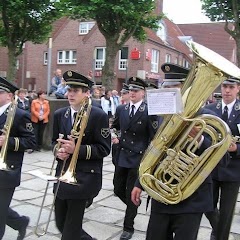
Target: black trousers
[123,181]
[163,226]
[38,131]
[69,216]
[226,194]
[5,200]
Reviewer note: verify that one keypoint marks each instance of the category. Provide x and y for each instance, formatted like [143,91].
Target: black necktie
[74,117]
[225,114]
[132,112]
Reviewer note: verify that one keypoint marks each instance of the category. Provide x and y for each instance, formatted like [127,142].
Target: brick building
[80,46]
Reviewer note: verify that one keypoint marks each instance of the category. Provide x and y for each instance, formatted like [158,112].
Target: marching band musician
[226,177]
[136,130]
[21,138]
[179,221]
[71,199]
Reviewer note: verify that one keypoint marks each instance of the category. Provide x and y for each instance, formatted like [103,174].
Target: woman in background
[40,110]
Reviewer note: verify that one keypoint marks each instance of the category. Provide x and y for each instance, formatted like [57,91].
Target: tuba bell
[170,170]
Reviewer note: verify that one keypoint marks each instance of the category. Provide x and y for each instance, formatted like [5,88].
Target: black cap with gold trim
[75,80]
[125,88]
[231,81]
[152,86]
[7,86]
[136,83]
[174,74]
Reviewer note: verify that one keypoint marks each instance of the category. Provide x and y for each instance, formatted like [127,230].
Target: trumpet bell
[68,177]
[4,167]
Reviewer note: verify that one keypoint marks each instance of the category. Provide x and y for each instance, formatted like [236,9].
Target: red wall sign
[135,54]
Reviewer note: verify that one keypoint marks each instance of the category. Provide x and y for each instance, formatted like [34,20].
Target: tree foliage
[227,11]
[118,21]
[22,21]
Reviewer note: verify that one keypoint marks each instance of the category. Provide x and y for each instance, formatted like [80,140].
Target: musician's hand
[135,196]
[68,145]
[62,154]
[115,140]
[232,147]
[193,133]
[2,140]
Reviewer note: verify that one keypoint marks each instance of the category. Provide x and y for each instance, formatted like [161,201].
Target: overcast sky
[184,11]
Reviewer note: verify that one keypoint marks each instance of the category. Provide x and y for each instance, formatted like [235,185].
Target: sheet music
[42,175]
[164,101]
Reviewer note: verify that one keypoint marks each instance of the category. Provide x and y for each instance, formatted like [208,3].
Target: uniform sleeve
[22,134]
[116,122]
[101,145]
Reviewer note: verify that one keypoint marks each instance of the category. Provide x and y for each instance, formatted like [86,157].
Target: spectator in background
[40,111]
[108,104]
[116,99]
[56,80]
[125,98]
[61,90]
[22,100]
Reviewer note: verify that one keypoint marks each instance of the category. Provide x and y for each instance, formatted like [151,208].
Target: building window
[155,61]
[176,60]
[168,58]
[123,57]
[186,63]
[85,27]
[45,58]
[67,57]
[100,54]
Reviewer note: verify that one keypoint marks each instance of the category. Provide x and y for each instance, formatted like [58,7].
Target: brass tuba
[170,170]
[6,131]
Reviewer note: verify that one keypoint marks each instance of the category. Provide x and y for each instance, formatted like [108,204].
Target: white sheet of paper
[42,175]
[164,101]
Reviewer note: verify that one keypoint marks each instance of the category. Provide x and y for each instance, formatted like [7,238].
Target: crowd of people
[125,129]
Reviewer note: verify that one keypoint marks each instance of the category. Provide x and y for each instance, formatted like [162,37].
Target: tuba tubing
[170,170]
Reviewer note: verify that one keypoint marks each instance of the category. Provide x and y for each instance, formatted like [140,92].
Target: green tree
[229,12]
[22,21]
[118,21]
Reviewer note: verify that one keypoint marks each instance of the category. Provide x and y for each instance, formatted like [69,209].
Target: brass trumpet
[77,132]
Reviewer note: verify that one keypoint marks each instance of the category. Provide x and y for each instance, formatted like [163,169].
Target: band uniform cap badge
[155,124]
[69,73]
[29,127]
[134,79]
[167,68]
[105,132]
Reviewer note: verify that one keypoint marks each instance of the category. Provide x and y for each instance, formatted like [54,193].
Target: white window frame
[123,62]
[67,57]
[45,58]
[155,60]
[85,27]
[168,58]
[100,61]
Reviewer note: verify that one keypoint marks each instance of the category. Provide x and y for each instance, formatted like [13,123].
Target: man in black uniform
[96,142]
[226,177]
[137,129]
[178,221]
[21,137]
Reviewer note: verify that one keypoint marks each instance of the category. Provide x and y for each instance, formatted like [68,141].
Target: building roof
[212,36]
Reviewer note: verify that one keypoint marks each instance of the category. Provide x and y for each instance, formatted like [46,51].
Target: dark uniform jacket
[135,134]
[96,143]
[21,138]
[26,106]
[200,201]
[231,171]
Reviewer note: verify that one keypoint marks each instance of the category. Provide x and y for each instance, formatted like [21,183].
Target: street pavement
[103,219]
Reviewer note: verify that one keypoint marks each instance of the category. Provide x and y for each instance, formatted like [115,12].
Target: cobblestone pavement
[103,220]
